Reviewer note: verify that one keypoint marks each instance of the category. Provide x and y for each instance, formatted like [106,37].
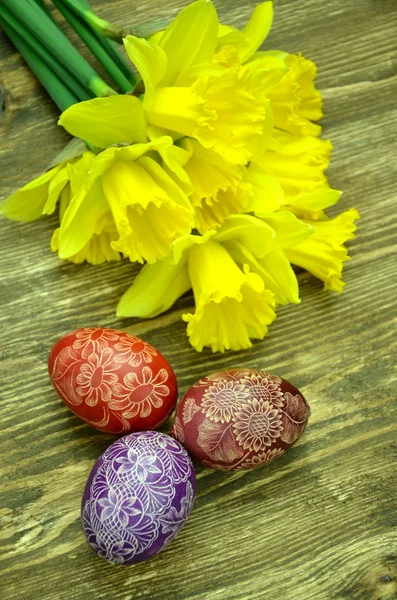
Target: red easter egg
[239,419]
[112,380]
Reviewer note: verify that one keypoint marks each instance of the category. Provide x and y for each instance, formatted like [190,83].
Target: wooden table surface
[320,522]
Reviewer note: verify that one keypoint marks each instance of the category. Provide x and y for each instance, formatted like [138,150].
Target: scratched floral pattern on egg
[134,504]
[97,377]
[138,394]
[93,340]
[113,380]
[136,350]
[240,418]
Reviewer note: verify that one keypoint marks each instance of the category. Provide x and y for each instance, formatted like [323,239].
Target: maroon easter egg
[239,419]
[112,380]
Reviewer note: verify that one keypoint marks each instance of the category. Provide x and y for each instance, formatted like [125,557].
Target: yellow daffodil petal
[311,206]
[289,230]
[98,249]
[150,61]
[190,39]
[257,29]
[298,163]
[106,121]
[74,173]
[231,36]
[64,201]
[220,112]
[182,244]
[237,116]
[154,290]
[245,42]
[105,159]
[80,220]
[232,306]
[27,203]
[267,69]
[295,100]
[266,192]
[324,253]
[218,189]
[174,159]
[274,268]
[57,184]
[150,211]
[227,56]
[255,234]
[179,109]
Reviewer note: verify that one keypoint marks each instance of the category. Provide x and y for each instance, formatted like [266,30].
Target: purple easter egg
[138,496]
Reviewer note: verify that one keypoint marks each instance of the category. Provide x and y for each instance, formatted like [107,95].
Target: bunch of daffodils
[211,173]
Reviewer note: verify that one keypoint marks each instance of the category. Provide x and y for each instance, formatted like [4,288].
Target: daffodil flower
[232,303]
[218,188]
[324,253]
[186,94]
[269,260]
[147,208]
[295,101]
[40,196]
[298,163]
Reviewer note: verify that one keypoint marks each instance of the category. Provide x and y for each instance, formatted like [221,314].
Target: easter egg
[112,380]
[138,497]
[239,419]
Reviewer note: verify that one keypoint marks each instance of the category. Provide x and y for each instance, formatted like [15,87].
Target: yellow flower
[298,163]
[244,44]
[185,94]
[41,195]
[148,209]
[294,100]
[221,111]
[324,253]
[99,248]
[218,186]
[311,206]
[268,259]
[232,304]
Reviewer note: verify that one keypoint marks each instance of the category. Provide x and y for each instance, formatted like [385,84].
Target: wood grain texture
[320,522]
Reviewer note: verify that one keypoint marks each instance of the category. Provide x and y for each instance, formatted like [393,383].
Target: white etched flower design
[110,546]
[178,430]
[295,414]
[97,377]
[139,393]
[117,507]
[145,473]
[264,387]
[117,526]
[173,520]
[137,351]
[222,399]
[172,456]
[94,339]
[261,459]
[256,425]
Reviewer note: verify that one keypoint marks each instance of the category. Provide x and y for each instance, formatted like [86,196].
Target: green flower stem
[83,10]
[49,35]
[55,87]
[44,7]
[109,30]
[31,43]
[110,47]
[88,37]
